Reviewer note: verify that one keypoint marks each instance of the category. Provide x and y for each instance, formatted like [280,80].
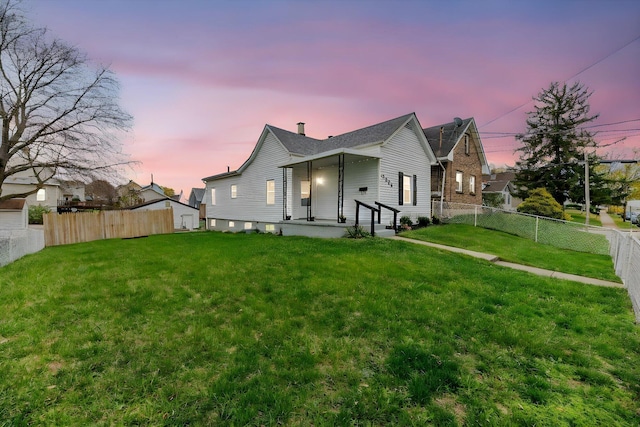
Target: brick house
[457,177]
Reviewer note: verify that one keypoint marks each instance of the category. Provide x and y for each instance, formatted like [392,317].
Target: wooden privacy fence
[66,228]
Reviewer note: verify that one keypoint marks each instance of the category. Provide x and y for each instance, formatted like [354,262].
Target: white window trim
[232,224]
[472,184]
[459,181]
[41,195]
[248,226]
[234,191]
[407,191]
[271,192]
[213,196]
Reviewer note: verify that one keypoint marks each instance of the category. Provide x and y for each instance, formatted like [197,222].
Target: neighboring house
[72,191]
[14,214]
[461,162]
[25,181]
[185,217]
[195,200]
[132,194]
[292,177]
[502,183]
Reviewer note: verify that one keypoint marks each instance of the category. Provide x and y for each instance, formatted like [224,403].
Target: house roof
[300,144]
[450,136]
[198,193]
[12,204]
[496,186]
[152,202]
[311,148]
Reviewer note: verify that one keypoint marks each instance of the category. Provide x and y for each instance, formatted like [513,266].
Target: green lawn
[581,217]
[247,329]
[518,249]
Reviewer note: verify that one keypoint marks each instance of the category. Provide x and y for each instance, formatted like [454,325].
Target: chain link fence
[548,231]
[625,252]
[624,248]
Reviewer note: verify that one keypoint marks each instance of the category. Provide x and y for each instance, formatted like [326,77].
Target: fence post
[537,223]
[475,216]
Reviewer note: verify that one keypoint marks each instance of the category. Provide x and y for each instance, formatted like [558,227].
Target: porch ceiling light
[319,180]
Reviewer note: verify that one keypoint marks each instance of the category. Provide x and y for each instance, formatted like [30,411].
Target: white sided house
[185,217]
[293,184]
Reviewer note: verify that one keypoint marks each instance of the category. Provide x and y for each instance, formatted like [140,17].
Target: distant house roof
[496,186]
[198,193]
[153,202]
[450,136]
[12,204]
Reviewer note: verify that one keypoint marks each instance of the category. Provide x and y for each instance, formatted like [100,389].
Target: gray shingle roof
[304,145]
[450,136]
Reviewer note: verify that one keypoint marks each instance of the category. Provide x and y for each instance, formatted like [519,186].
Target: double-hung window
[213,196]
[472,184]
[408,189]
[271,192]
[234,191]
[459,181]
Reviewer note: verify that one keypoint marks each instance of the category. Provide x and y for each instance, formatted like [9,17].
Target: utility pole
[587,200]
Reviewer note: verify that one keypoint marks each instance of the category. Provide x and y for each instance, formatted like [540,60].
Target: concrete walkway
[606,220]
[534,270]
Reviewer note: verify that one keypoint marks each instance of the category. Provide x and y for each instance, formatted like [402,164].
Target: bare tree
[60,115]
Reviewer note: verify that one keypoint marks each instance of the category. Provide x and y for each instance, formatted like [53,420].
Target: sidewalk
[534,270]
[606,220]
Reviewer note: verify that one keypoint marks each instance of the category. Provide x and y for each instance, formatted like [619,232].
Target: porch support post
[284,193]
[340,186]
[310,178]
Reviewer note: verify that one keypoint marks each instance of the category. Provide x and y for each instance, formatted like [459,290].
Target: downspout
[444,173]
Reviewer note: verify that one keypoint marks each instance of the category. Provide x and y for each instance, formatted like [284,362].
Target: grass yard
[247,329]
[518,249]
[581,217]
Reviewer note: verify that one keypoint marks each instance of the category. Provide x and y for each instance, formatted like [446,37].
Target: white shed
[14,214]
[185,217]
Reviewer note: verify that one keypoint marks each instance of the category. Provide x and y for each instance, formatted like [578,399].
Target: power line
[575,75]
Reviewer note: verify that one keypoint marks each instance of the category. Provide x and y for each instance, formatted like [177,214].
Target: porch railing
[395,214]
[373,211]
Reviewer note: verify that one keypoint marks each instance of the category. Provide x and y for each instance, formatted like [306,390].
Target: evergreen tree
[553,152]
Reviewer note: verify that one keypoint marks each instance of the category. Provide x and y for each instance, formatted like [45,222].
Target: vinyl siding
[404,153]
[251,201]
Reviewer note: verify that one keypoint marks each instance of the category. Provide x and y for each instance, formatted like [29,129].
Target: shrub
[423,221]
[406,220]
[540,202]
[36,212]
[356,232]
[435,220]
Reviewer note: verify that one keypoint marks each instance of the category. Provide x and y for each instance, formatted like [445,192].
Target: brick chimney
[301,128]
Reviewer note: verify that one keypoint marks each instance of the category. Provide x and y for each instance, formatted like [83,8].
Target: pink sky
[203,77]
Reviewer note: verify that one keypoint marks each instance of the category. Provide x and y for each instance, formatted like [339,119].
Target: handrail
[373,213]
[377,210]
[394,210]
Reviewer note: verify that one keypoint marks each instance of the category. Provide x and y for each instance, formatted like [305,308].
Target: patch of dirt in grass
[450,403]
[54,367]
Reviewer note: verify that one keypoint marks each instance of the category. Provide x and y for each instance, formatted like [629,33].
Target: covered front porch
[323,188]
